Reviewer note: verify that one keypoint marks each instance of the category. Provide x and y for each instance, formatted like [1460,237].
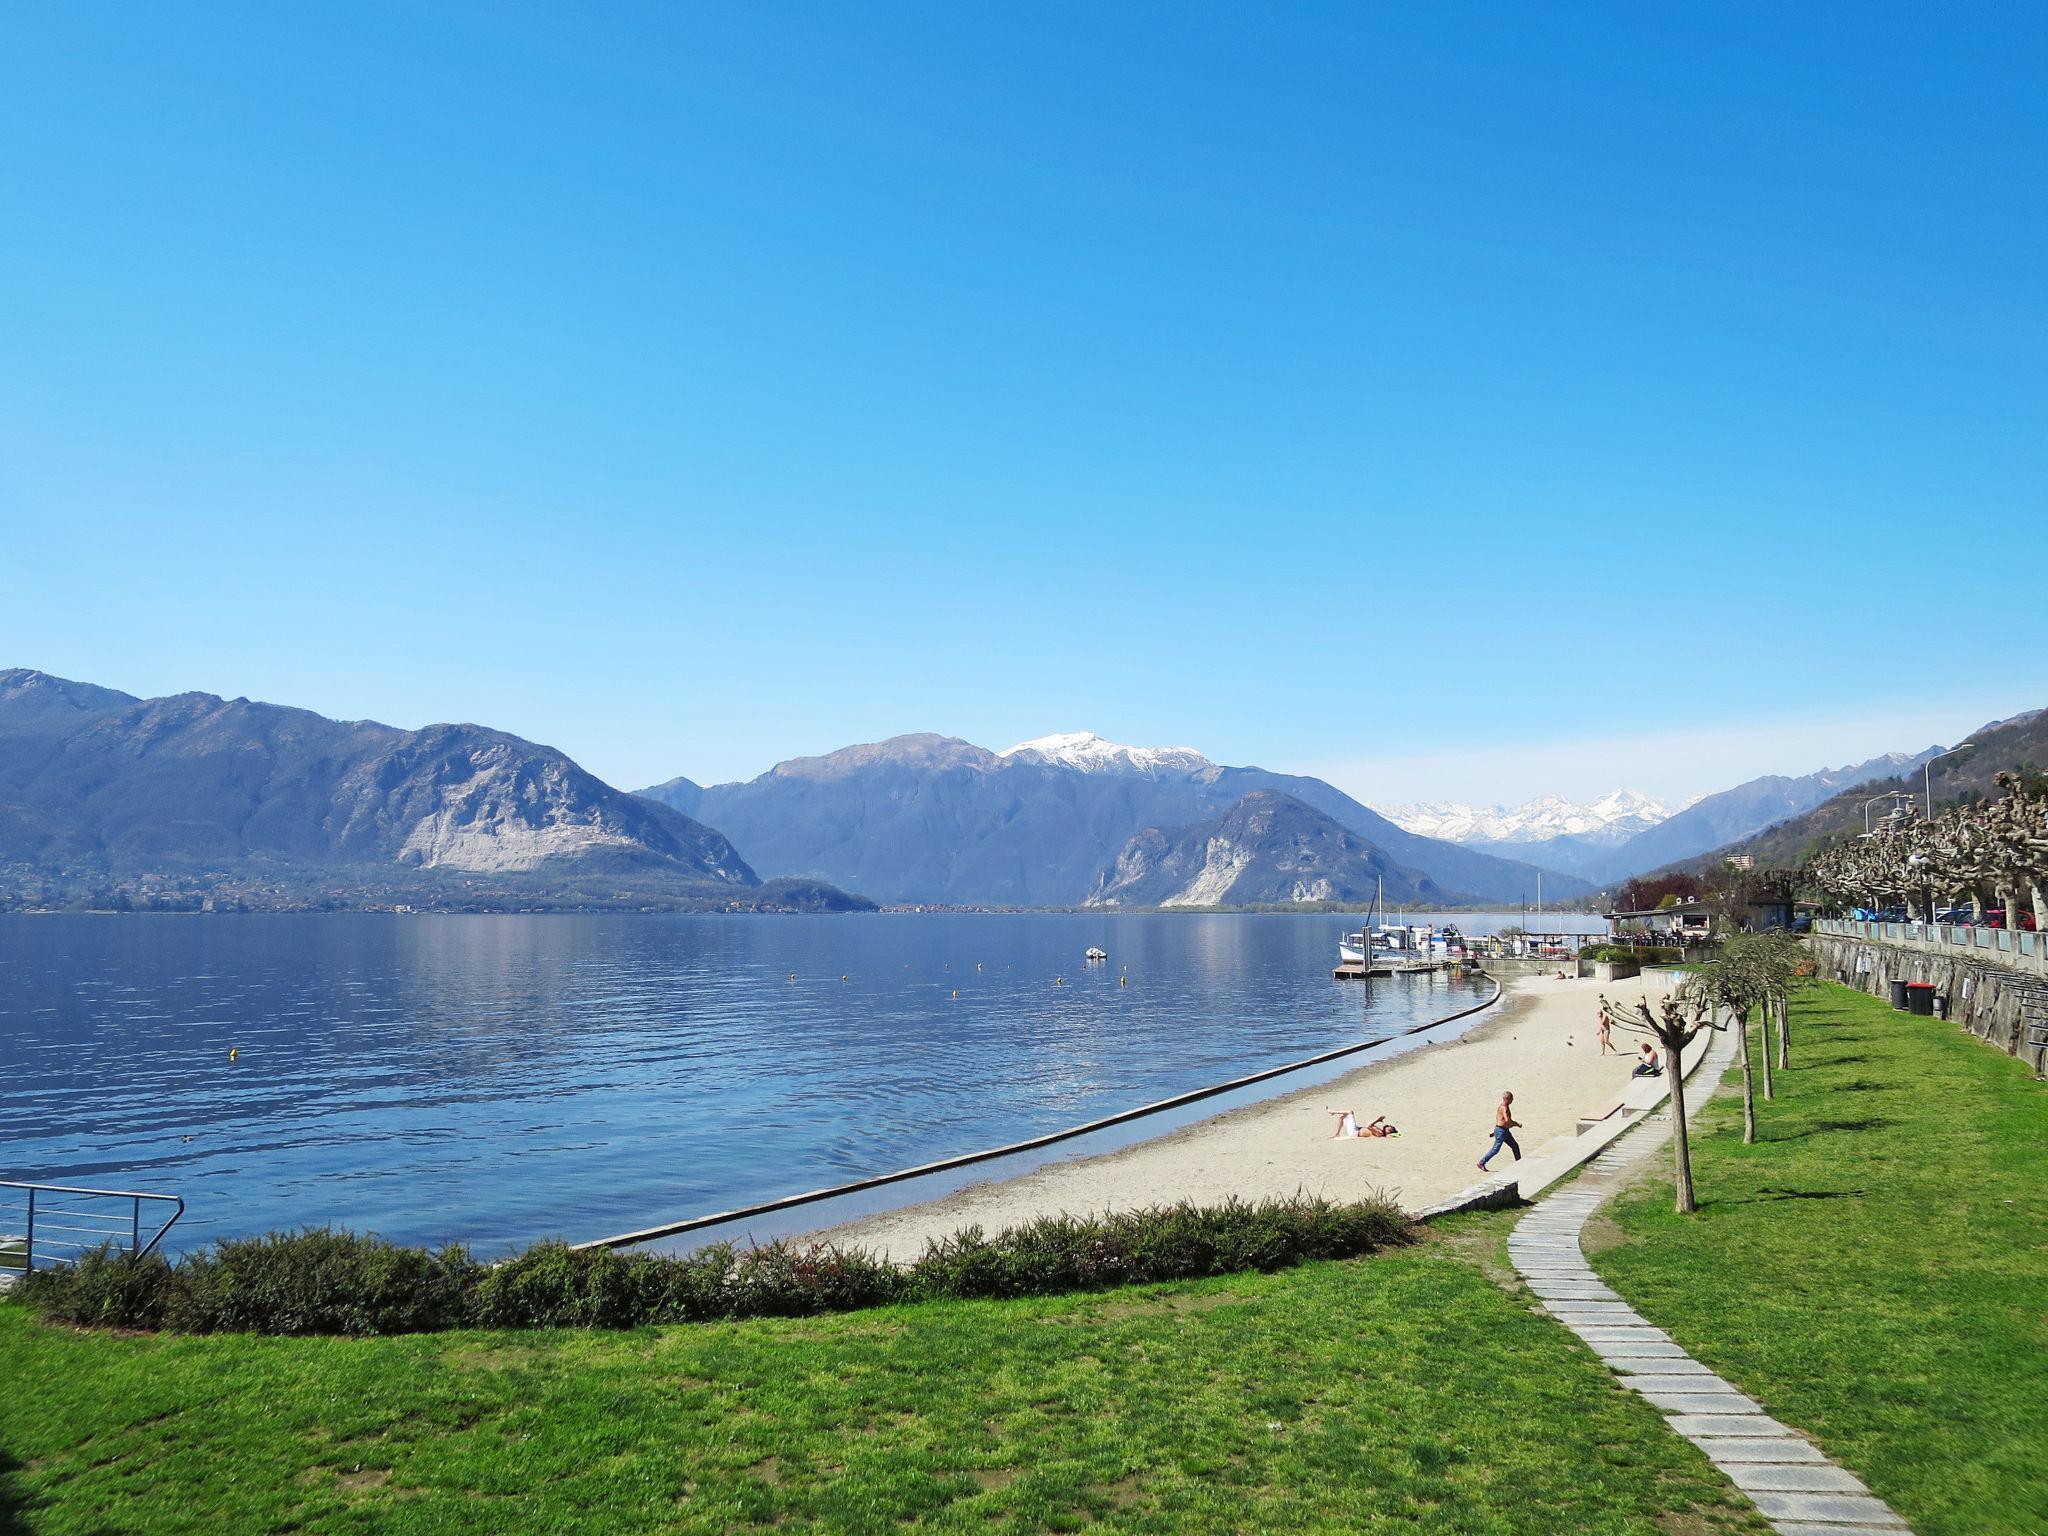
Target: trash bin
[1920,998]
[1899,995]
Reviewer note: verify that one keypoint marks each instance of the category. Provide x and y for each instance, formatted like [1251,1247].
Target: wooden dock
[1358,970]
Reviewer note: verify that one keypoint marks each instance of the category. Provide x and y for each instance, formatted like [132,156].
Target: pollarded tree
[1777,963]
[1727,985]
[1672,1025]
[2016,838]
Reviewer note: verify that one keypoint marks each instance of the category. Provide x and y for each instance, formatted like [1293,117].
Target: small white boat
[1096,954]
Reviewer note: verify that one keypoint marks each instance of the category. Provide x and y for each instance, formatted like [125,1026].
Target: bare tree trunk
[1784,1034]
[1763,1022]
[2040,908]
[1748,1089]
[1681,1149]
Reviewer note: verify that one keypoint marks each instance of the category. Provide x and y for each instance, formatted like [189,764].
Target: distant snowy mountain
[1086,752]
[1613,818]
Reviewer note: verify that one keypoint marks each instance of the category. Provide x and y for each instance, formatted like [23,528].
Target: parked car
[1994,917]
[1958,915]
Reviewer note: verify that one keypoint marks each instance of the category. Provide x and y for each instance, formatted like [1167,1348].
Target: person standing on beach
[1606,1037]
[1504,1123]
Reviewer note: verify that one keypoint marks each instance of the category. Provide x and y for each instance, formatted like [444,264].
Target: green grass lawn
[1875,1269]
[1400,1393]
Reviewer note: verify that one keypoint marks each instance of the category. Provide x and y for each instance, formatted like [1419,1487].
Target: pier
[1359,970]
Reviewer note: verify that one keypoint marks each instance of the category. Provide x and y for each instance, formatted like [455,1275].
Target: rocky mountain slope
[928,818]
[1268,848]
[98,786]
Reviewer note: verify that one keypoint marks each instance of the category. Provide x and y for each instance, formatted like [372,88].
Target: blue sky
[1458,401]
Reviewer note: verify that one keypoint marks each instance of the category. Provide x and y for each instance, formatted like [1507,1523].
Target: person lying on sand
[1348,1126]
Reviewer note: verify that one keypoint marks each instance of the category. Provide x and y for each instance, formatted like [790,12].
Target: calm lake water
[493,1080]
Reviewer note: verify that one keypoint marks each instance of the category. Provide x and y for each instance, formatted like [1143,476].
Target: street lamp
[1890,794]
[1927,778]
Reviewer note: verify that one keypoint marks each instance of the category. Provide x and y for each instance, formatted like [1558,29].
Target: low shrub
[800,1280]
[320,1281]
[1166,1242]
[105,1288]
[326,1282]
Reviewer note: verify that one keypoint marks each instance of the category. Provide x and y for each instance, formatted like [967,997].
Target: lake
[496,1079]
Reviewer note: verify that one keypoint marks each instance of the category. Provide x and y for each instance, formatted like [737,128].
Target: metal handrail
[132,1228]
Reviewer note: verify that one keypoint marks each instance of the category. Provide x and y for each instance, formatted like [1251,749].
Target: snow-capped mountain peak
[1086,752]
[1614,817]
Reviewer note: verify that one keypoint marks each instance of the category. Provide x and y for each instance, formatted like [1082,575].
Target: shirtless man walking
[1504,1123]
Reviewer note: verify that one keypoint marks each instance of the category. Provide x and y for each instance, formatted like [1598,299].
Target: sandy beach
[1540,1041]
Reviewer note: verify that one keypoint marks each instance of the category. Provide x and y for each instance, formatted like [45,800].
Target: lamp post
[1890,794]
[1927,778]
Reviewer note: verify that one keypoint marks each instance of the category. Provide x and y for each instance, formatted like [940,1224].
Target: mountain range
[194,797]
[1625,833]
[2019,743]
[269,805]
[932,819]
[1613,818]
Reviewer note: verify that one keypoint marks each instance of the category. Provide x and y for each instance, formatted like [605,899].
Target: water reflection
[495,1079]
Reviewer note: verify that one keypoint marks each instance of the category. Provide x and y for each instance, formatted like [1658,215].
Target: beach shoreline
[1539,1041]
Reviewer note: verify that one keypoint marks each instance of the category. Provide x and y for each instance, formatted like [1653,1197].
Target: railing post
[135,1231]
[28,1251]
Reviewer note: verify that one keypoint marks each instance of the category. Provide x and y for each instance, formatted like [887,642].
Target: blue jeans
[1502,1137]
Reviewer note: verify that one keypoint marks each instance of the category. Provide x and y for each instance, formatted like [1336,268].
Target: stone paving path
[1798,1489]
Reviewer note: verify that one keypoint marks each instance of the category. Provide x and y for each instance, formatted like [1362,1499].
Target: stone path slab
[1791,1483]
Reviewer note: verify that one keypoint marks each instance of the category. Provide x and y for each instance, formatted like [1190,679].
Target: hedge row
[1646,954]
[322,1281]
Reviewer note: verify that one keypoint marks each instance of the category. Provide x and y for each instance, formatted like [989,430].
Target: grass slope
[1874,1270]
[1400,1393]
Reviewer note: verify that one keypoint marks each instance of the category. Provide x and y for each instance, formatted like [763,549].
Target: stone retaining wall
[1990,1001]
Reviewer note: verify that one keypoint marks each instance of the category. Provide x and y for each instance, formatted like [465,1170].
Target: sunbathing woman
[1348,1126]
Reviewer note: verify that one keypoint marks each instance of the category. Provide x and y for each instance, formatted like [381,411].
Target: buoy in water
[234,1052]
[1123,981]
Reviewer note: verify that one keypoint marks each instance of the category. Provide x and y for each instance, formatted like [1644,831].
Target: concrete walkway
[1798,1489]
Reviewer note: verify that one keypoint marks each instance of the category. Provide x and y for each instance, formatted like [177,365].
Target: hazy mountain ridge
[1268,848]
[2016,742]
[96,785]
[1611,851]
[1746,809]
[929,818]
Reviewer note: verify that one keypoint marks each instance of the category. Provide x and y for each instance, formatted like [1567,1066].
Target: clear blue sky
[695,386]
